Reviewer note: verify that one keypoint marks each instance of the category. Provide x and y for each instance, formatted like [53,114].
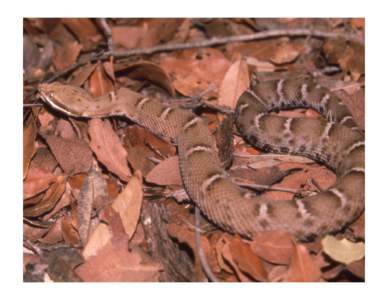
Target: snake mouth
[58,105]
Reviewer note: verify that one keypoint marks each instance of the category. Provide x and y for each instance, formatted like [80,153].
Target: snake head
[68,99]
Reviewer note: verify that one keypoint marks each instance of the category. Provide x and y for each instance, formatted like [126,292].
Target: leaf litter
[89,185]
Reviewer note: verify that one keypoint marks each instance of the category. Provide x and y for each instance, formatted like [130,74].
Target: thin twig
[261,187]
[201,253]
[107,32]
[240,38]
[208,43]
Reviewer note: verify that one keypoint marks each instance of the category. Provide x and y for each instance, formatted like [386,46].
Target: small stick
[201,253]
[261,187]
[208,43]
[107,32]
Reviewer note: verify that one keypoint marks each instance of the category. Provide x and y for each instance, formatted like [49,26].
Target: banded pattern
[333,142]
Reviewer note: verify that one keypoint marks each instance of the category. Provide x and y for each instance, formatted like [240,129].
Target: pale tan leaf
[128,204]
[117,264]
[166,173]
[107,146]
[260,65]
[343,250]
[235,82]
[98,239]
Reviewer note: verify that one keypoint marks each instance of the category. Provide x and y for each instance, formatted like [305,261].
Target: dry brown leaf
[128,204]
[184,235]
[29,135]
[66,54]
[284,53]
[73,155]
[357,268]
[127,37]
[151,72]
[69,231]
[260,65]
[36,182]
[195,70]
[82,74]
[100,82]
[85,30]
[65,130]
[234,83]
[116,264]
[166,173]
[248,262]
[52,196]
[343,250]
[273,246]
[107,146]
[303,268]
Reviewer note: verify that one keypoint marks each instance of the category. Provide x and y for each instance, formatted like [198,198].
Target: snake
[334,140]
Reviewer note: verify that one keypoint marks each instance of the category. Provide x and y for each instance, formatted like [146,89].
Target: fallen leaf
[343,250]
[85,30]
[107,146]
[303,267]
[149,71]
[66,54]
[29,135]
[246,260]
[73,155]
[100,83]
[234,83]
[166,173]
[284,54]
[52,196]
[273,246]
[98,239]
[260,65]
[116,264]
[36,182]
[69,231]
[357,268]
[128,204]
[194,71]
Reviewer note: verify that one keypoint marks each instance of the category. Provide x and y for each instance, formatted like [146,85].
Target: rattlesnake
[337,142]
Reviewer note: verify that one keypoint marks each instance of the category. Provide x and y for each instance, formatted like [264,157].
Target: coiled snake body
[336,142]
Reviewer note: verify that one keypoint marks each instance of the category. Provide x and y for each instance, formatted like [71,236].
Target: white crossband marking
[191,123]
[340,195]
[302,209]
[199,148]
[324,101]
[165,112]
[242,107]
[304,91]
[208,182]
[344,119]
[353,147]
[257,119]
[142,102]
[279,90]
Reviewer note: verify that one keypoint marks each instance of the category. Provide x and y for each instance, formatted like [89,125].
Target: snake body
[337,142]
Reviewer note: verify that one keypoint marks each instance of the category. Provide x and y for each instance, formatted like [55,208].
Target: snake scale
[334,141]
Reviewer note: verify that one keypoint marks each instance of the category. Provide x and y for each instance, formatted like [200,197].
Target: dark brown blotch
[264,223]
[308,222]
